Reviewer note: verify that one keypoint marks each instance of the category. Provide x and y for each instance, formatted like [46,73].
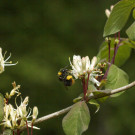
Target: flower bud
[35,113]
[12,93]
[26,100]
[93,63]
[107,12]
[116,41]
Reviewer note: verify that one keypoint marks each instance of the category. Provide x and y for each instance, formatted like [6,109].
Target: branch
[103,93]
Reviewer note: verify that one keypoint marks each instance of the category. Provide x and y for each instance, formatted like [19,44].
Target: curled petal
[93,63]
[87,63]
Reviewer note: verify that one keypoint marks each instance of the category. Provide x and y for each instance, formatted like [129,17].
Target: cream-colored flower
[14,91]
[21,110]
[9,117]
[82,67]
[15,118]
[3,62]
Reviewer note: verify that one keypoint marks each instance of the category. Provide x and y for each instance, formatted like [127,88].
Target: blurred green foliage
[42,35]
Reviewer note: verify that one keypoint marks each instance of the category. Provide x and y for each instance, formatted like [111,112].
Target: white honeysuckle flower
[3,62]
[22,112]
[7,117]
[13,115]
[22,123]
[14,91]
[15,118]
[108,12]
[82,67]
[6,110]
[8,124]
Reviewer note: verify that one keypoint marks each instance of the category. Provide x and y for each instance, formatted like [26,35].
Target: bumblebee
[65,76]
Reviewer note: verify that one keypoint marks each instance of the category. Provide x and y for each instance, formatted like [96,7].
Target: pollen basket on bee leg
[59,73]
[69,77]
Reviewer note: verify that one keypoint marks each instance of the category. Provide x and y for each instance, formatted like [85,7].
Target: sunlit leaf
[77,120]
[118,17]
[1,107]
[116,78]
[131,32]
[134,13]
[130,43]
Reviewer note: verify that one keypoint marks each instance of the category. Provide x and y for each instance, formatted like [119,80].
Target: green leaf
[116,78]
[1,107]
[130,43]
[77,120]
[8,132]
[133,14]
[122,55]
[94,102]
[131,32]
[118,17]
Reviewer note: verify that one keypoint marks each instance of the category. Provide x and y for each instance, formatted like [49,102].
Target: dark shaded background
[41,36]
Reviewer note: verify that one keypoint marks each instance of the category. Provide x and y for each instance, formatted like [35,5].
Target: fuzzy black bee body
[65,76]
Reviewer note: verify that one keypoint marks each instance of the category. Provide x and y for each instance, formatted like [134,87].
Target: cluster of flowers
[82,67]
[15,118]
